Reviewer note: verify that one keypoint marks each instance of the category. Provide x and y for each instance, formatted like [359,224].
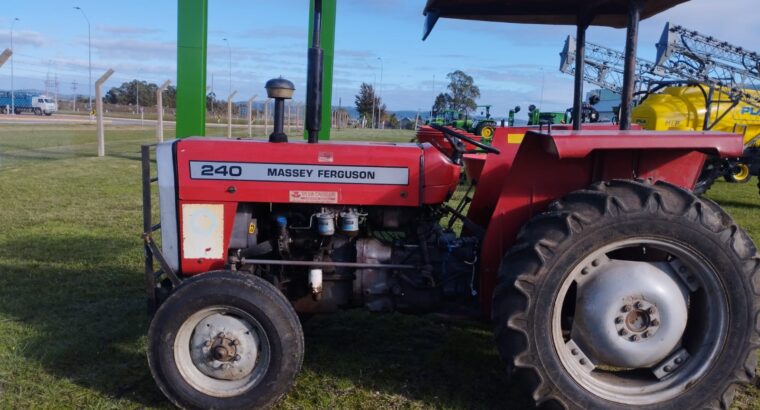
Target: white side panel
[203,231]
[168,203]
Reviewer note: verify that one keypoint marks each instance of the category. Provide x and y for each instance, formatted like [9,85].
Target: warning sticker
[325,157]
[314,197]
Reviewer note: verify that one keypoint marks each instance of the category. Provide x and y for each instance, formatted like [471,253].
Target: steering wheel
[448,132]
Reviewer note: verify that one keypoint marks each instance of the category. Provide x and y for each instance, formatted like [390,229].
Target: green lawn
[72,309]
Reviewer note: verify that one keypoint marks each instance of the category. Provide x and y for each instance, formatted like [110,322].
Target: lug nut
[235,342]
[237,358]
[667,369]
[582,361]
[574,352]
[625,308]
[634,338]
[651,310]
[655,322]
[623,332]
[220,335]
[678,360]
[584,271]
[595,262]
[638,305]
[646,334]
[618,320]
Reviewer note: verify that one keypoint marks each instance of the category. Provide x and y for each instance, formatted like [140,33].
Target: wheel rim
[634,349]
[487,132]
[222,351]
[743,172]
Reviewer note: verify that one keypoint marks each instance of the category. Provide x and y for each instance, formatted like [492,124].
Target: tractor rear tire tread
[547,235]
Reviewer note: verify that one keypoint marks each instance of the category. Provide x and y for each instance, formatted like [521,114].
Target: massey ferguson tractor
[609,283]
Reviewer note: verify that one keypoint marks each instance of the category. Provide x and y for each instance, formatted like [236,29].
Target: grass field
[72,310]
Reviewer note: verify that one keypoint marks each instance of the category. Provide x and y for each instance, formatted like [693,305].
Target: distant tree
[210,98]
[364,103]
[462,91]
[170,97]
[392,121]
[126,93]
[441,103]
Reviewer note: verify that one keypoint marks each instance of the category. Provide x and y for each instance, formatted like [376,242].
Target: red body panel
[525,178]
[440,174]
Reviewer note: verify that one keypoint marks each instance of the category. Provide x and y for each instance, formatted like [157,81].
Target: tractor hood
[611,13]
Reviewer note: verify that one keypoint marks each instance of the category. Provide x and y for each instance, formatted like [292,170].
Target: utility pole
[374,98]
[434,97]
[89,57]
[13,90]
[74,90]
[380,92]
[250,116]
[266,116]
[290,115]
[230,63]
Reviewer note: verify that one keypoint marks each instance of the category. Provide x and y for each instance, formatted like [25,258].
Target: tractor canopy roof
[612,13]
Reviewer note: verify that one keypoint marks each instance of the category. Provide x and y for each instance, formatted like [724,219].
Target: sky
[377,41]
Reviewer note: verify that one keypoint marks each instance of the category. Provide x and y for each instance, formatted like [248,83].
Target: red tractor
[610,284]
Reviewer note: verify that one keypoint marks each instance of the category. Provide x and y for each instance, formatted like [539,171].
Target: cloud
[25,38]
[112,29]
[276,32]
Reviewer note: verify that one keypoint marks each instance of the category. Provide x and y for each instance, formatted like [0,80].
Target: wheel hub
[637,320]
[224,347]
[629,314]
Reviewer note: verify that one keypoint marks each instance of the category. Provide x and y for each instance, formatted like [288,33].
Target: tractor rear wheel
[225,340]
[740,174]
[485,130]
[630,294]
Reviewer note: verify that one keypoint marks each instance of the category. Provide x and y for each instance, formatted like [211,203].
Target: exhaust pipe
[314,79]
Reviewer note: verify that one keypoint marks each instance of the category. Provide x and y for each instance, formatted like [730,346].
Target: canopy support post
[629,75]
[584,19]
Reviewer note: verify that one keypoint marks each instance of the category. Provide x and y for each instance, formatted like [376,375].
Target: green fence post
[329,8]
[192,28]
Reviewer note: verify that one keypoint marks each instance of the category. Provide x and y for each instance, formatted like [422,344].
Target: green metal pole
[329,8]
[192,28]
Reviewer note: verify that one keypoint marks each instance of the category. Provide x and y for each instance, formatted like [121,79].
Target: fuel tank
[683,108]
[350,173]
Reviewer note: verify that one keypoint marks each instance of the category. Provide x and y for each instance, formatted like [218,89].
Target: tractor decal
[263,172]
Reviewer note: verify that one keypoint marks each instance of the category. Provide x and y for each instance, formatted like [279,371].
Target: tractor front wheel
[630,294]
[740,174]
[225,340]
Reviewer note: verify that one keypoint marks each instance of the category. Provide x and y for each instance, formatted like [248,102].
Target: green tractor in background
[536,117]
[483,126]
[446,117]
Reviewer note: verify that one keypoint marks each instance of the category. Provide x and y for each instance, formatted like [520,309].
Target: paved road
[74,119]
[70,119]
